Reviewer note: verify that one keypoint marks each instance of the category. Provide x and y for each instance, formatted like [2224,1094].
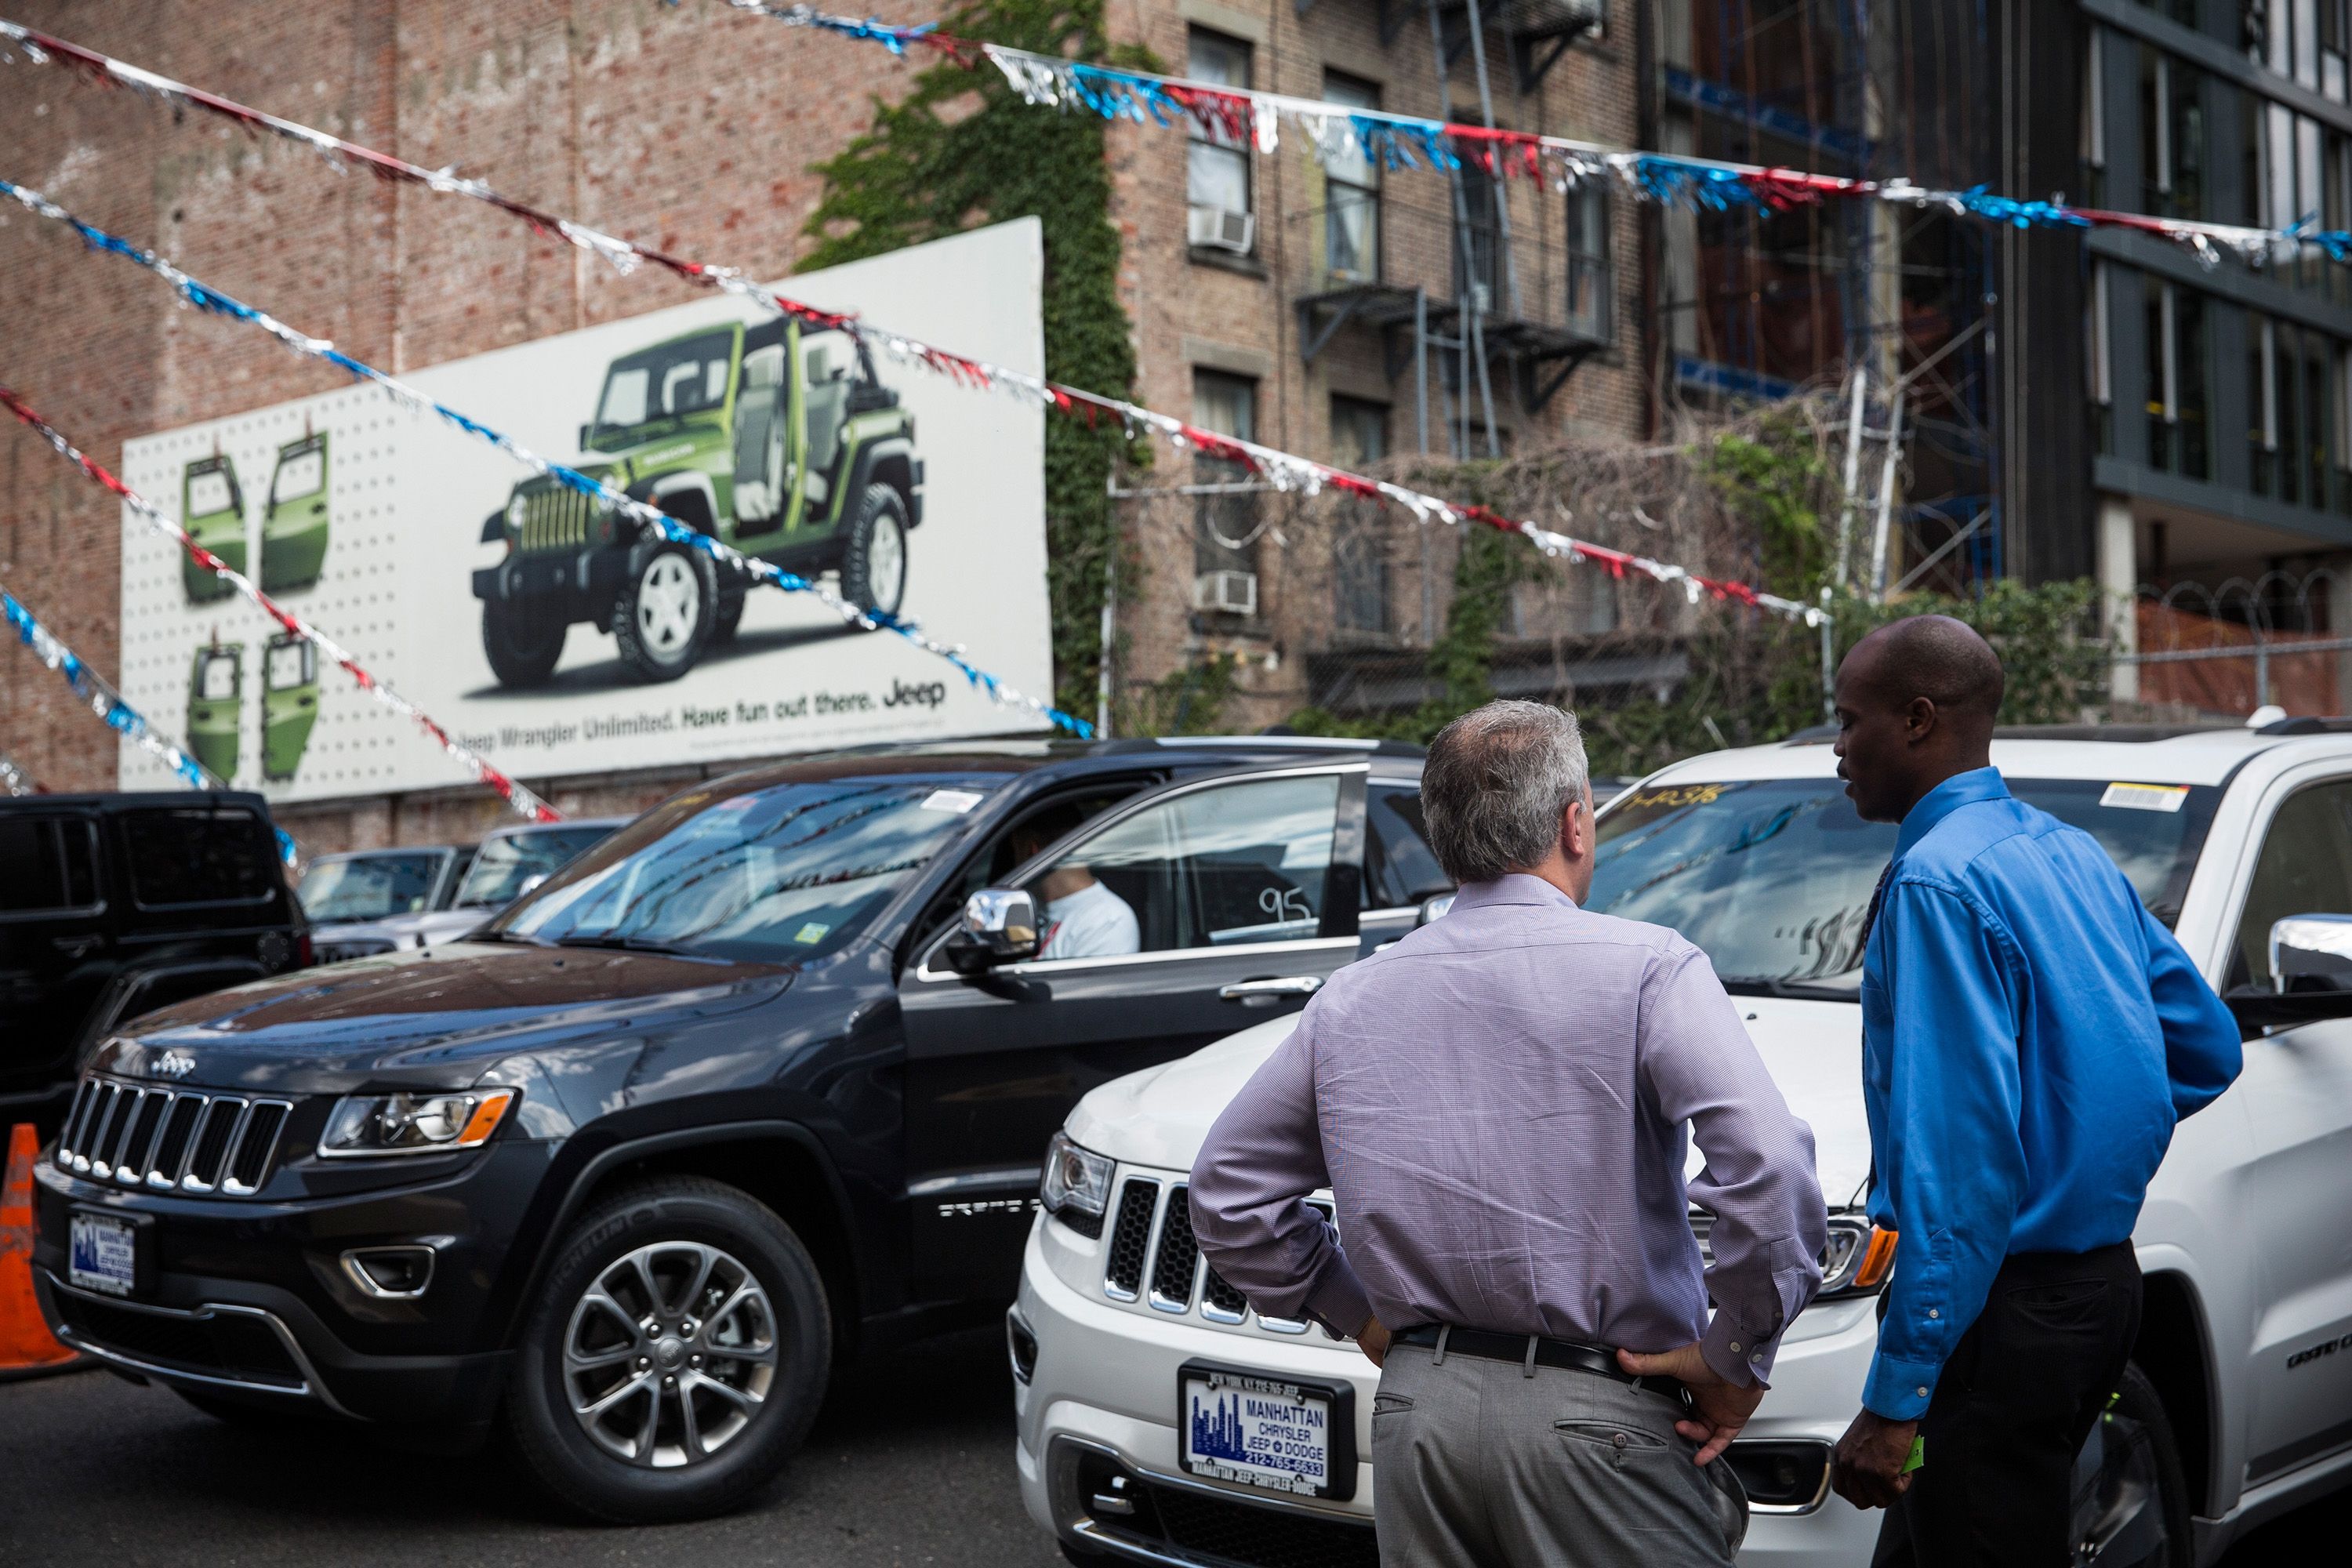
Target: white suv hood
[1160,1117]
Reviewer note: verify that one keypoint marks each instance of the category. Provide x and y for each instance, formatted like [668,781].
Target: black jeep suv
[111,905]
[758,1081]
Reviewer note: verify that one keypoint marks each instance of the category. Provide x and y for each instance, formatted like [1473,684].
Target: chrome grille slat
[1154,1261]
[1176,1260]
[193,1141]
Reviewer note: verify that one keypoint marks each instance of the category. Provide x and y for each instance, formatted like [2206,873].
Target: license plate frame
[1255,1386]
[107,1254]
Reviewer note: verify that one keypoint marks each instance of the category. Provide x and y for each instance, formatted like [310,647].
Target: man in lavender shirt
[1499,1104]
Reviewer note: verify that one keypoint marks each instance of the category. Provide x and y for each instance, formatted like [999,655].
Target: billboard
[556,640]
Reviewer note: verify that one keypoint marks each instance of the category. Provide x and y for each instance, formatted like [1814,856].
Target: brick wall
[686,127]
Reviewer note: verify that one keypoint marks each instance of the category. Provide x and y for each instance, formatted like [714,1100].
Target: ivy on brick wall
[959,151]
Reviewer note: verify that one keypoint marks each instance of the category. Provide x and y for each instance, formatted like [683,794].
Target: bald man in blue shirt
[2031,1035]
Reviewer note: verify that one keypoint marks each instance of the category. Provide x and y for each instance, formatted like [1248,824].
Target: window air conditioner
[1228,592]
[1220,229]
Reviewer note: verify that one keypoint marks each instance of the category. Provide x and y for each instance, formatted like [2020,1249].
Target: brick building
[1268,297]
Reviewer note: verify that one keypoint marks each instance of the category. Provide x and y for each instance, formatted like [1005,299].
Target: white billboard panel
[554,640]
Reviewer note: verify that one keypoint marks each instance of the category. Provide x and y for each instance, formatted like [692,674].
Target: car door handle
[1266,992]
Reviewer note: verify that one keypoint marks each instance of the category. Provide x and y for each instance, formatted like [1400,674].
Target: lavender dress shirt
[1498,1103]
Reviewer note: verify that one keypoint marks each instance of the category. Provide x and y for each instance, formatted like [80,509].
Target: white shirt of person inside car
[1089,921]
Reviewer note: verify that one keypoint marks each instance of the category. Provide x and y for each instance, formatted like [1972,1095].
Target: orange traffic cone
[27,1346]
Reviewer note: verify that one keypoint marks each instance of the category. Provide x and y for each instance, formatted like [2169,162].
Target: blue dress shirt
[2030,1038]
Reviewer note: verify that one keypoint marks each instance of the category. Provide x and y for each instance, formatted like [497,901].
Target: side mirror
[586,431]
[2311,955]
[1000,926]
[1434,909]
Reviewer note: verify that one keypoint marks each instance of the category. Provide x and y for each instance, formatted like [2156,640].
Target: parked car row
[370,901]
[823,1056]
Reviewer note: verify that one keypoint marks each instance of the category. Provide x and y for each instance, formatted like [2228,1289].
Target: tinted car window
[505,864]
[1236,863]
[197,854]
[45,863]
[786,873]
[1772,878]
[2306,869]
[1400,869]
[370,888]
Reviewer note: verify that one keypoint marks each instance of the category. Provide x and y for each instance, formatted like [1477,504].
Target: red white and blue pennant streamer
[652,519]
[1283,471]
[1250,118]
[513,792]
[99,697]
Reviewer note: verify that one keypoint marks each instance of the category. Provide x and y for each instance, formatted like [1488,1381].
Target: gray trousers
[1478,1465]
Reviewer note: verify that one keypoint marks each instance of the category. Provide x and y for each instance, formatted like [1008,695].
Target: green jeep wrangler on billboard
[776,438]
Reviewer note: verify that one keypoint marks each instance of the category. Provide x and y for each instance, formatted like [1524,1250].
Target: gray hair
[1497,784]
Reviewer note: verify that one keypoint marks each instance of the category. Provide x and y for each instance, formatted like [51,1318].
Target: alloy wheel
[669,604]
[669,1355]
[886,563]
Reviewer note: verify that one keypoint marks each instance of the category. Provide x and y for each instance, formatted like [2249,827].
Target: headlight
[515,509]
[1858,1257]
[412,1123]
[1076,1186]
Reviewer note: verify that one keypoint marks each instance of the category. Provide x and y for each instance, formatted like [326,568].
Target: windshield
[787,873]
[1772,878]
[371,887]
[673,378]
[507,865]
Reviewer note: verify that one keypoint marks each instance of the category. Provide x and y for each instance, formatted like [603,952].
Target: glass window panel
[32,863]
[371,887]
[2306,869]
[208,493]
[195,854]
[1239,863]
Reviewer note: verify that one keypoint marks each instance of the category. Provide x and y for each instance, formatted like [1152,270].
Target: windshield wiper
[1753,985]
[627,944]
[513,936]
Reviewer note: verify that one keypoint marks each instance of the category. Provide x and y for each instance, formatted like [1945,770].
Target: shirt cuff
[1736,1359]
[1338,1301]
[1900,1390]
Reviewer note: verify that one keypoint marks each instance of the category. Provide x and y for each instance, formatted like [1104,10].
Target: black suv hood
[435,1018]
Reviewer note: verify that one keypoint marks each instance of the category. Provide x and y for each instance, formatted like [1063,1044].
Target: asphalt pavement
[910,1463]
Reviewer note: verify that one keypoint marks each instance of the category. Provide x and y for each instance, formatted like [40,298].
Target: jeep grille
[558,519]
[1152,1254]
[170,1139]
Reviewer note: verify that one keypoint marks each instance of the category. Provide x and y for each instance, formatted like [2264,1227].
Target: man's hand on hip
[1867,1469]
[1719,1408]
[1373,1340]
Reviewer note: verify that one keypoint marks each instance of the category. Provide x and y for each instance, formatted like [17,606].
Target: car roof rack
[2337,725]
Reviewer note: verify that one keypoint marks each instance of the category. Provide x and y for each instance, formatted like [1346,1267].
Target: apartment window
[2177,402]
[1479,242]
[2091,135]
[2171,136]
[1225,527]
[2100,371]
[2295,395]
[1359,562]
[1217,166]
[1590,290]
[1351,206]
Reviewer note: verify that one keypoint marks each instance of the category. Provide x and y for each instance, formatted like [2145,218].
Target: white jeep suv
[1161,1420]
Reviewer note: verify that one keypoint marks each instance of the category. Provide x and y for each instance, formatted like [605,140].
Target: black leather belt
[1568,1355]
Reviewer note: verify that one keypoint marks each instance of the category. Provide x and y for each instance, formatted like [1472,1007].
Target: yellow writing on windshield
[1680,794]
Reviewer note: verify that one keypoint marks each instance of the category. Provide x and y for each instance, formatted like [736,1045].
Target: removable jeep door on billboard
[554,637]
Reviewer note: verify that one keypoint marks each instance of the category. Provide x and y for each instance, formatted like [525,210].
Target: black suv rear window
[197,854]
[45,863]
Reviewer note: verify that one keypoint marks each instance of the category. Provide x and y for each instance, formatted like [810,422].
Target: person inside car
[1083,919]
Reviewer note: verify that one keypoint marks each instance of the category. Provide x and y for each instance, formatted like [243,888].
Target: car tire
[523,642]
[874,562]
[2135,1513]
[665,614]
[667,1253]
